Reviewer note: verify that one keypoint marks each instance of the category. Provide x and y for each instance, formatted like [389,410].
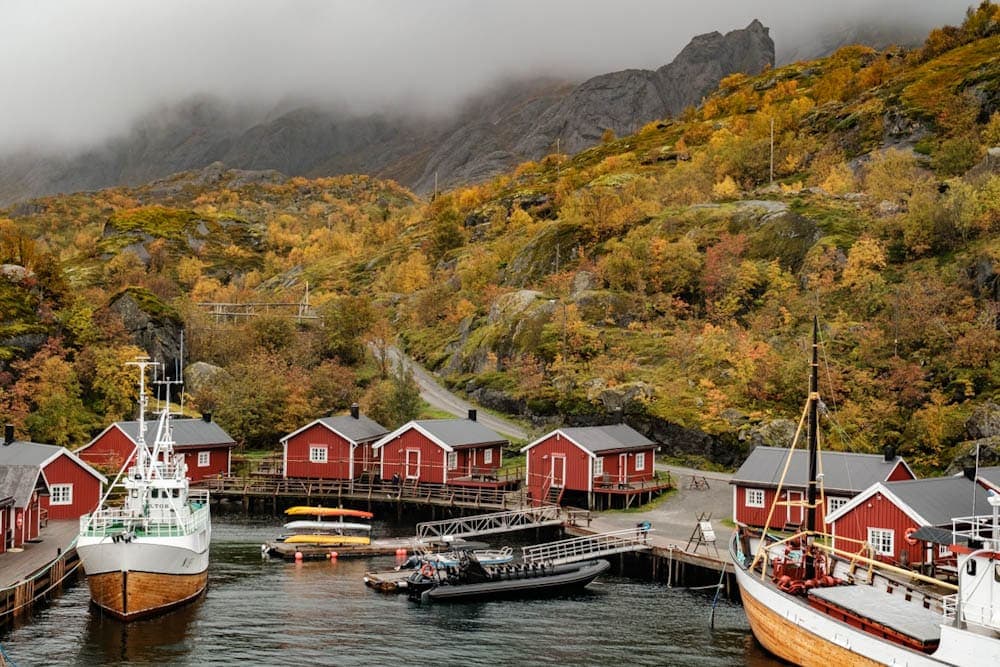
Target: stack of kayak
[327,527]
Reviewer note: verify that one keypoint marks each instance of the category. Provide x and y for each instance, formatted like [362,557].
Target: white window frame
[487,457]
[204,459]
[944,550]
[754,498]
[640,461]
[452,460]
[61,494]
[318,454]
[598,466]
[882,541]
[834,503]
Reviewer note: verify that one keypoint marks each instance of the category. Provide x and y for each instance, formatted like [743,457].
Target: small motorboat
[453,558]
[471,580]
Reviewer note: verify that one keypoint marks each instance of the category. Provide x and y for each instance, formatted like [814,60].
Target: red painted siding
[218,462]
[86,492]
[338,454]
[899,473]
[540,461]
[472,461]
[111,448]
[29,518]
[879,512]
[783,514]
[432,459]
[5,519]
[613,466]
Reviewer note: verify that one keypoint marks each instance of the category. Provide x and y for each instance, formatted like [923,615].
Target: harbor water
[271,612]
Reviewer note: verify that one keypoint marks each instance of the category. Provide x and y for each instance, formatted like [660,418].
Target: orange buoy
[333,555]
[298,555]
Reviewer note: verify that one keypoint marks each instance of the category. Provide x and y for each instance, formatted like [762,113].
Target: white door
[559,471]
[412,463]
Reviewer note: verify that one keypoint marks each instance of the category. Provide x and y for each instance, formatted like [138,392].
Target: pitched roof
[933,502]
[990,475]
[188,432]
[356,430]
[450,434]
[842,471]
[597,439]
[19,481]
[22,452]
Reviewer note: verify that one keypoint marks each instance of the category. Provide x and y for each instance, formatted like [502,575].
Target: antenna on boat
[813,433]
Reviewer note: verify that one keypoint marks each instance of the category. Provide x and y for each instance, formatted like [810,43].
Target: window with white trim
[452,460]
[882,541]
[487,456]
[640,461]
[834,503]
[317,454]
[598,466]
[755,497]
[61,494]
[204,459]
[944,550]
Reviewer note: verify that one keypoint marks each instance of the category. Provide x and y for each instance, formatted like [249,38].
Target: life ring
[20,520]
[427,570]
[909,535]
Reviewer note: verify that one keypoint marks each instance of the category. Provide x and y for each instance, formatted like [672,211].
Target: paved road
[442,399]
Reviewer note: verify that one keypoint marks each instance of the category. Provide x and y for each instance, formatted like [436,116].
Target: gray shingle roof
[188,432]
[607,438]
[460,432]
[940,499]
[991,475]
[22,453]
[362,429]
[18,481]
[842,471]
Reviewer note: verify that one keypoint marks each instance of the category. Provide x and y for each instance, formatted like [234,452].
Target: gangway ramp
[489,524]
[588,547]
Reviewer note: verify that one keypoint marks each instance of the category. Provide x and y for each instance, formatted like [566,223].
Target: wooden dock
[39,571]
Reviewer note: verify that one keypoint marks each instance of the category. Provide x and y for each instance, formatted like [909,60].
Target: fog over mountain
[77,73]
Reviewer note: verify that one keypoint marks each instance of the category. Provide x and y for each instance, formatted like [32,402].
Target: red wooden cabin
[206,447]
[599,461]
[441,451]
[74,488]
[25,485]
[6,520]
[337,447]
[889,515]
[845,475]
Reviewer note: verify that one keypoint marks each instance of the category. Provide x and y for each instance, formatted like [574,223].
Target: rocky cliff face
[519,121]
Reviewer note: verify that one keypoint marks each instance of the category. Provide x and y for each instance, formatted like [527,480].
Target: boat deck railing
[980,528]
[587,547]
[112,521]
[487,524]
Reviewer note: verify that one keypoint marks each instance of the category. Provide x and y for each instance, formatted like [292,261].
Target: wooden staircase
[554,495]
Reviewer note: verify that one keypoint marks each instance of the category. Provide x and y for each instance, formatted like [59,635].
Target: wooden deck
[38,572]
[55,539]
[333,492]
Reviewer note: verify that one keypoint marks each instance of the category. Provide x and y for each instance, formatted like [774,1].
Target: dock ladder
[590,546]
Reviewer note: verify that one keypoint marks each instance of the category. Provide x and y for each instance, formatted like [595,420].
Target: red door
[794,514]
[623,468]
[558,471]
[412,463]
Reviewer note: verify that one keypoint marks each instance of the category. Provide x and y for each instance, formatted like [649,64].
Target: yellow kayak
[328,540]
[299,510]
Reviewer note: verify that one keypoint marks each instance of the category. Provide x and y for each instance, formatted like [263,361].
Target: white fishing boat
[150,553]
[812,604]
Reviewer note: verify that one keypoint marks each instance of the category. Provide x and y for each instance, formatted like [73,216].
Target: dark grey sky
[73,72]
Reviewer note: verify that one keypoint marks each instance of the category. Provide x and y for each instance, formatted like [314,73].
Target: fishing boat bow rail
[116,520]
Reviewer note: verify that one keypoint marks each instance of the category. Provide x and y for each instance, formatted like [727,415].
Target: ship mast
[143,460]
[813,435]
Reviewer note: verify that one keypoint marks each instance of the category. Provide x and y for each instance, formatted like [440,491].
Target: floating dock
[389,546]
[388,581]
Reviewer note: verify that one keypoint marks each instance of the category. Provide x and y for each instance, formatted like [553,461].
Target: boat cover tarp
[908,618]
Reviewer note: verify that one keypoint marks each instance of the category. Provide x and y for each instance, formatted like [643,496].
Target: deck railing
[590,546]
[115,521]
[486,524]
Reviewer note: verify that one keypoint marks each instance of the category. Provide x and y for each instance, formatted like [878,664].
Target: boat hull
[565,578]
[132,595]
[145,576]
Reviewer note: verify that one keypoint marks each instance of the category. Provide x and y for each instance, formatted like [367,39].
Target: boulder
[152,325]
[984,422]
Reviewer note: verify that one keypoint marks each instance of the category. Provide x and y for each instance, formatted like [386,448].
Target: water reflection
[109,640]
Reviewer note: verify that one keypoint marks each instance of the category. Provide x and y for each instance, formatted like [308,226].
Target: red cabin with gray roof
[74,487]
[588,459]
[23,487]
[206,446]
[893,517]
[440,451]
[845,475]
[337,447]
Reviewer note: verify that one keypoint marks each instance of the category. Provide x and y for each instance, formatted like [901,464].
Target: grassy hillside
[663,272]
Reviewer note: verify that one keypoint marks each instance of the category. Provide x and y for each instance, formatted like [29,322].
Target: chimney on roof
[206,417]
[970,473]
[619,416]
[889,453]
[355,412]
[8,434]
[472,414]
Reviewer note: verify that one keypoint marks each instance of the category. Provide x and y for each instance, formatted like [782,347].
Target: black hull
[559,580]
